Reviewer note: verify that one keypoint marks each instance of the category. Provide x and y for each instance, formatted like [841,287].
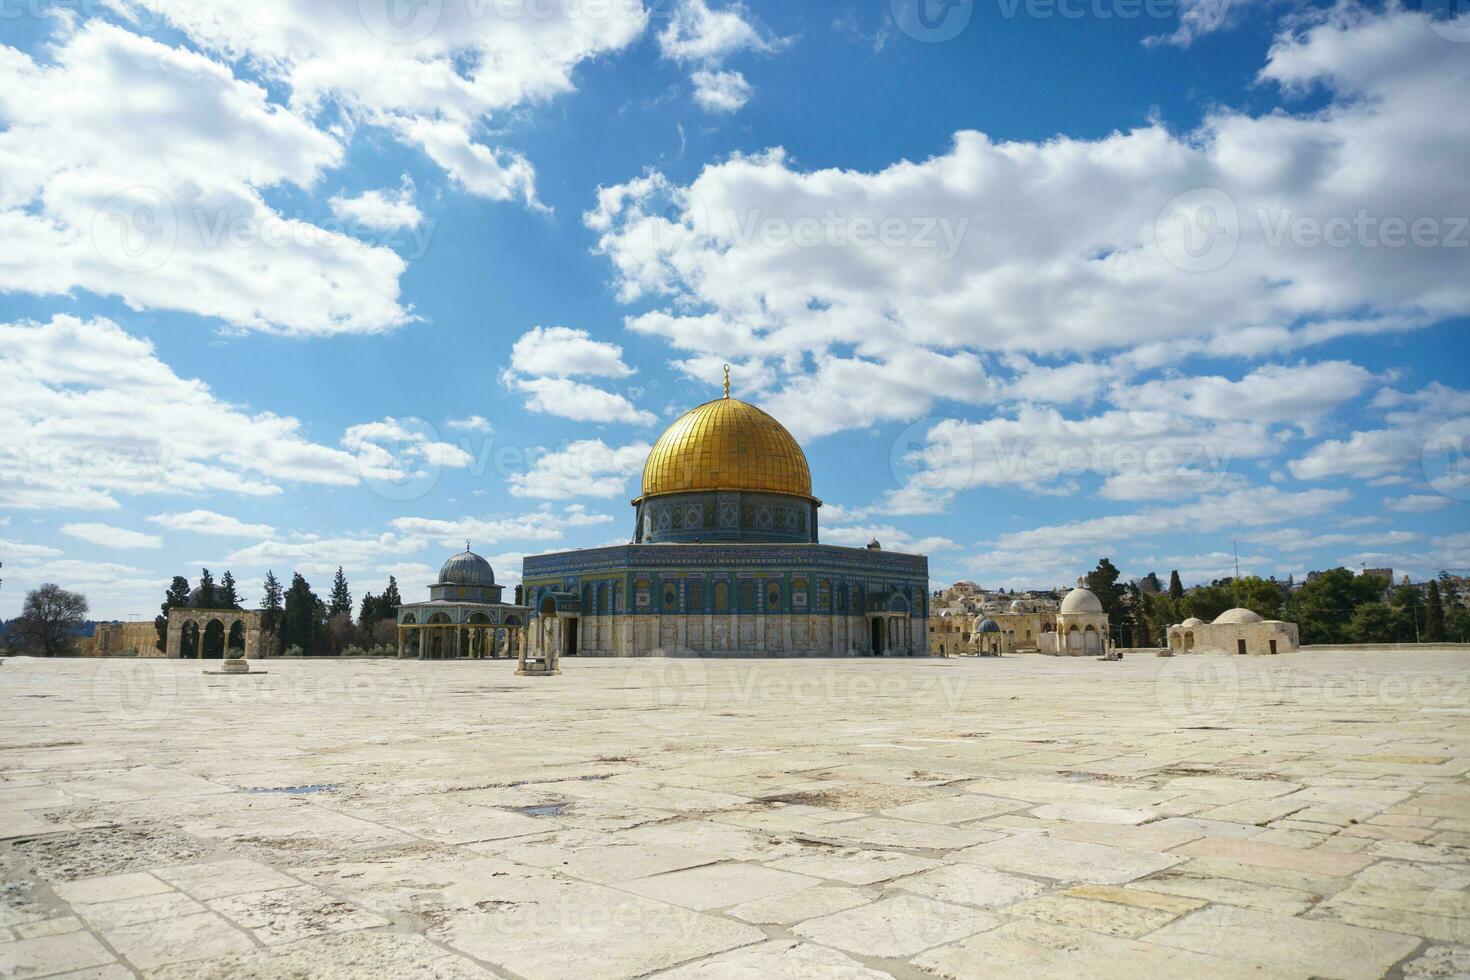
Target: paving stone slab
[1065,860]
[896,927]
[1283,942]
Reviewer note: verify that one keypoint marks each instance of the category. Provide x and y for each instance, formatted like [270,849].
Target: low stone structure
[125,640]
[193,624]
[1236,631]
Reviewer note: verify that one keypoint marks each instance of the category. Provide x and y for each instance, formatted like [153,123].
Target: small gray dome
[989,626]
[1236,617]
[466,568]
[196,597]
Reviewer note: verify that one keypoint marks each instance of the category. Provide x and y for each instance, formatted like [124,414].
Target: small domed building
[726,560]
[1235,631]
[464,617]
[1081,627]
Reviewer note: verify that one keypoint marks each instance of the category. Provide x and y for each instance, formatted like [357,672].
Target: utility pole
[1236,546]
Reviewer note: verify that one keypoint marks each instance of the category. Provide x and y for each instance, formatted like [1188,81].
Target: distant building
[1384,573]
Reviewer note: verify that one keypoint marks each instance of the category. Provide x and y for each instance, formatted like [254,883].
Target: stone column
[175,643]
[252,644]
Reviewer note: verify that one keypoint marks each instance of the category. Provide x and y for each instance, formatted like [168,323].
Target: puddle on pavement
[543,809]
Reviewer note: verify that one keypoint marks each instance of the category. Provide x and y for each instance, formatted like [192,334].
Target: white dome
[1081,601]
[1016,606]
[1193,621]
[1236,616]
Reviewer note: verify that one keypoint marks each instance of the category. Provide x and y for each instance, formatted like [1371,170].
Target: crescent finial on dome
[727,381]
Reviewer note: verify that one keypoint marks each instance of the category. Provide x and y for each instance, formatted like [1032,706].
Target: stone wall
[125,640]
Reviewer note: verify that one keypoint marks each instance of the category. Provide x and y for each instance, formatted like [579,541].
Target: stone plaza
[1298,816]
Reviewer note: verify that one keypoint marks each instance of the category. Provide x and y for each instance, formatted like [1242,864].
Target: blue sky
[295,285]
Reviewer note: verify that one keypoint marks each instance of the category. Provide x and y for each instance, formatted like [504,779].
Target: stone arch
[235,640]
[1091,640]
[213,639]
[1189,640]
[192,644]
[409,619]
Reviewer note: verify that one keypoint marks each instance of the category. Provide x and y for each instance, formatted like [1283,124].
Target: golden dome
[726,444]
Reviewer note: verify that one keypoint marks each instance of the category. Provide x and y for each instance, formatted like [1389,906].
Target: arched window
[671,598]
[722,597]
[694,598]
[773,597]
[747,597]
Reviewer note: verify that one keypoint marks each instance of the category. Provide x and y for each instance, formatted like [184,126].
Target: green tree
[1407,603]
[390,598]
[49,620]
[1136,600]
[1208,601]
[1324,606]
[270,604]
[227,595]
[1176,587]
[207,597]
[1434,621]
[1262,597]
[339,602]
[1372,622]
[1102,582]
[177,597]
[1449,590]
[303,620]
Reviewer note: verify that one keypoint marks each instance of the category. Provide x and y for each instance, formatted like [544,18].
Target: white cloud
[887,535]
[87,200]
[88,410]
[431,74]
[14,551]
[1417,503]
[721,91]
[588,468]
[111,537]
[379,210]
[210,523]
[700,35]
[1383,455]
[1243,508]
[410,441]
[578,401]
[696,32]
[1297,540]
[1143,454]
[1296,394]
[561,352]
[474,423]
[1071,247]
[536,526]
[1198,18]
[543,363]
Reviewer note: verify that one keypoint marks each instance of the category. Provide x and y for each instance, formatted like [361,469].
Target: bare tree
[49,619]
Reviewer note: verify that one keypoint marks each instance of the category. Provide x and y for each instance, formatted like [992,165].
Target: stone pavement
[1300,816]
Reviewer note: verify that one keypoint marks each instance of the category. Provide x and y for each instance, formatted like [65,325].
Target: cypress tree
[1176,587]
[177,597]
[340,600]
[1434,628]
